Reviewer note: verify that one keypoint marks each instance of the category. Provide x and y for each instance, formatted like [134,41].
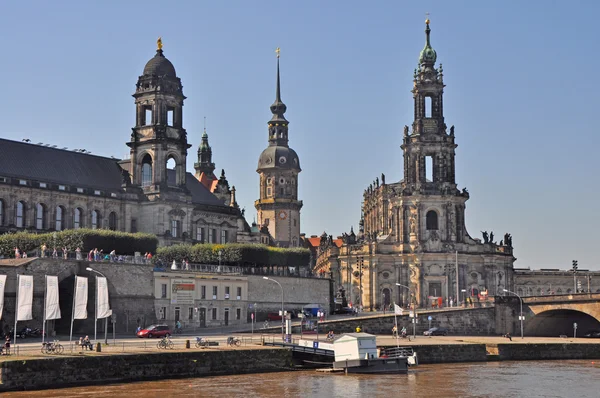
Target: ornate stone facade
[47,189]
[413,232]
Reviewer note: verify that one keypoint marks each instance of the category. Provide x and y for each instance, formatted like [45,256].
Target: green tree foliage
[234,254]
[86,239]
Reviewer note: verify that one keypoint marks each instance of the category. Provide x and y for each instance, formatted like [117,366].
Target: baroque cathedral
[44,188]
[413,245]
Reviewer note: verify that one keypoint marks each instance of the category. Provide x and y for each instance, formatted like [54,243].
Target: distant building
[413,245]
[43,188]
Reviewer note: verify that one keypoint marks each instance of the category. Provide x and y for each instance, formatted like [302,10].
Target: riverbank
[35,373]
[66,371]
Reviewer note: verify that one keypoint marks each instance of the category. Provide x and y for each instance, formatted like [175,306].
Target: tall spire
[278,108]
[428,56]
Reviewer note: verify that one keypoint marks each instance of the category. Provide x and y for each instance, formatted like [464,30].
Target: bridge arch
[556,322]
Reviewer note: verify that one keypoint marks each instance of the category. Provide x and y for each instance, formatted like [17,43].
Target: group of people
[19,254]
[84,342]
[403,332]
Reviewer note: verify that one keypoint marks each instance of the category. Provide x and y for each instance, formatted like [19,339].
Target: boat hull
[374,366]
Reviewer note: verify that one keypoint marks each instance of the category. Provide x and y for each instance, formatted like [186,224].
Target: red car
[155,331]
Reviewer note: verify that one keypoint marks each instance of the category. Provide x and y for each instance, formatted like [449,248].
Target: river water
[530,379]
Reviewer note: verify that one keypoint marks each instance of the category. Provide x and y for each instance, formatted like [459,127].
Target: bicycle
[52,348]
[202,342]
[178,330]
[234,341]
[165,343]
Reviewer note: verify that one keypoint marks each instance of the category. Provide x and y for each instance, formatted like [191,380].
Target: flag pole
[73,311]
[396,324]
[17,309]
[45,300]
[96,313]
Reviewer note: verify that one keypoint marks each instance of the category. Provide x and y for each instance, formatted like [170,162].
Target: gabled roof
[36,162]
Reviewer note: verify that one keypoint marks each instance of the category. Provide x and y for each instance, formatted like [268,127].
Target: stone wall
[520,352]
[473,322]
[450,353]
[297,293]
[71,371]
[130,289]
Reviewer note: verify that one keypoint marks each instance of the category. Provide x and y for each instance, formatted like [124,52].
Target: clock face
[282,215]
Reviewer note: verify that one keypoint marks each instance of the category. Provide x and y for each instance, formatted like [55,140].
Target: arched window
[77,218]
[1,212]
[60,214]
[112,221]
[432,220]
[95,219]
[20,215]
[294,240]
[146,171]
[172,165]
[40,212]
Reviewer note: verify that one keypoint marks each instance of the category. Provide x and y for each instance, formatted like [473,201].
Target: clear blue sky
[522,91]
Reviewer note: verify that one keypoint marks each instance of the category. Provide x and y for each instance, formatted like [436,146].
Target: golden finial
[427,18]
[277,51]
[159,43]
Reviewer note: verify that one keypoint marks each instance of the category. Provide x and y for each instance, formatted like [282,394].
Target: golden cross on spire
[427,18]
[277,51]
[159,43]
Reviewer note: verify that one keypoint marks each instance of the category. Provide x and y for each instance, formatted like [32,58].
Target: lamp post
[521,317]
[90,269]
[414,321]
[282,319]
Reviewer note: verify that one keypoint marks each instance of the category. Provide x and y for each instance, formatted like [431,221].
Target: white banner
[81,296]
[2,284]
[397,309]
[25,301]
[103,310]
[51,300]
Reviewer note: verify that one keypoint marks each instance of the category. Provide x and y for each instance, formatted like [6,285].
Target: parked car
[436,332]
[155,331]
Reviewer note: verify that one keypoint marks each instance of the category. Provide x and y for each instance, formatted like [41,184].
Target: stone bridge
[544,316]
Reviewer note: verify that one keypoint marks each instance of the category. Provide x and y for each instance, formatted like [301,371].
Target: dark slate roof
[200,194]
[159,66]
[276,156]
[36,162]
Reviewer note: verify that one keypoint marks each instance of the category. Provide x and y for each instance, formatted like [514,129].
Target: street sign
[411,314]
[252,316]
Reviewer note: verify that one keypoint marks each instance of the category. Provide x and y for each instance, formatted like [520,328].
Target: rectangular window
[269,192]
[214,235]
[79,190]
[200,234]
[215,291]
[191,313]
[22,182]
[224,236]
[43,185]
[202,292]
[147,116]
[428,107]
[163,290]
[226,292]
[169,117]
[238,313]
[239,293]
[133,225]
[97,192]
[62,188]
[3,179]
[175,228]
[210,235]
[294,222]
[162,314]
[214,314]
[429,168]
[113,195]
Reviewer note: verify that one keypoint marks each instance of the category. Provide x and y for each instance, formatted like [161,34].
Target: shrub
[234,254]
[85,239]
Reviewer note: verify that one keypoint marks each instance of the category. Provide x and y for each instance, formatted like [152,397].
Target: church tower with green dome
[278,166]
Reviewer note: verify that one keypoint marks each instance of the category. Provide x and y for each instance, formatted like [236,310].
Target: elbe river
[529,379]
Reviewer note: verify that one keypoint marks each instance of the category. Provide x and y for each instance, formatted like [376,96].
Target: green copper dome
[428,54]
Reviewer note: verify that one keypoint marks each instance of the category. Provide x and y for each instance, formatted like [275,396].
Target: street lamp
[521,317]
[414,321]
[90,269]
[281,287]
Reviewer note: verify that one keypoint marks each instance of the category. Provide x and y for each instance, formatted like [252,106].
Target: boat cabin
[353,346]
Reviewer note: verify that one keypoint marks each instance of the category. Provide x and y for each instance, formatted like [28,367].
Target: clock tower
[278,166]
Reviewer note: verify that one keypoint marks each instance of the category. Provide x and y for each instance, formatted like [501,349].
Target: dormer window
[43,185]
[79,190]
[22,182]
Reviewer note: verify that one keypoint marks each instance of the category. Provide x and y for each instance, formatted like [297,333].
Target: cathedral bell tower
[436,207]
[278,166]
[158,135]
